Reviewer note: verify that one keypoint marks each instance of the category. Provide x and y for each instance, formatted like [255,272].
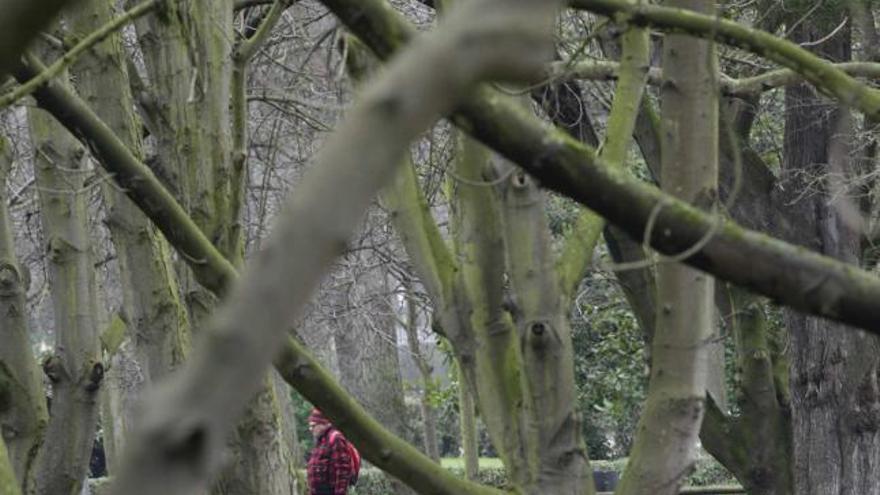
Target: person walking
[334,462]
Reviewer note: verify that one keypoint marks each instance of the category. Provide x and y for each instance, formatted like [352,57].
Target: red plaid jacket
[329,467]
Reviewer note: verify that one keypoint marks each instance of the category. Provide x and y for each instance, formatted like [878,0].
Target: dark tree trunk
[835,407]
[366,350]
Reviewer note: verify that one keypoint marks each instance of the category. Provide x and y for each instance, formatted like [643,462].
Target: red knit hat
[317,417]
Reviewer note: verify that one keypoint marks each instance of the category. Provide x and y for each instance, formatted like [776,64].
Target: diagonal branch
[71,56]
[792,276]
[579,245]
[386,451]
[186,423]
[213,271]
[210,267]
[20,22]
[821,73]
[605,70]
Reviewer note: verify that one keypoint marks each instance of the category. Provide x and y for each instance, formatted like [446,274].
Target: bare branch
[803,280]
[817,71]
[185,425]
[70,57]
[19,24]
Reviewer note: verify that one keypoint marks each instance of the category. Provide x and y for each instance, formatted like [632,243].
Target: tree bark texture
[486,341]
[366,343]
[541,320]
[23,415]
[188,50]
[467,417]
[8,481]
[835,399]
[158,327]
[664,447]
[429,416]
[75,370]
[191,415]
[756,444]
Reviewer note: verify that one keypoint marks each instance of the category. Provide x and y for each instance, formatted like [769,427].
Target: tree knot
[95,377]
[54,369]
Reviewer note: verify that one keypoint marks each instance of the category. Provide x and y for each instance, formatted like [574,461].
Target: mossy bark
[366,343]
[75,369]
[189,55]
[835,398]
[779,270]
[495,365]
[429,416]
[8,481]
[542,326]
[158,327]
[467,417]
[23,414]
[756,444]
[497,234]
[664,449]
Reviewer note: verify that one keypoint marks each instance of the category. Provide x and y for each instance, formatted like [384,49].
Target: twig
[68,58]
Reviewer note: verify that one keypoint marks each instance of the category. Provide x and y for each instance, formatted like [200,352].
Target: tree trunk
[188,54]
[756,444]
[467,417]
[75,370]
[429,418]
[480,328]
[23,414]
[366,347]
[158,327]
[835,399]
[541,319]
[289,429]
[261,461]
[664,446]
[8,481]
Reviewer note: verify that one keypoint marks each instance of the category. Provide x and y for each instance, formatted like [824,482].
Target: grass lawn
[458,462]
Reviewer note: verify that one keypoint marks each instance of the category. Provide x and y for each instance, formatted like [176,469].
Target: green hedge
[707,471]
[373,482]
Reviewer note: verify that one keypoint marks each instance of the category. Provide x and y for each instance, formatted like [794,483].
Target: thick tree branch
[579,245]
[217,274]
[71,56]
[381,447]
[788,274]
[821,73]
[241,57]
[754,85]
[718,433]
[211,269]
[20,22]
[186,423]
[8,483]
[728,86]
